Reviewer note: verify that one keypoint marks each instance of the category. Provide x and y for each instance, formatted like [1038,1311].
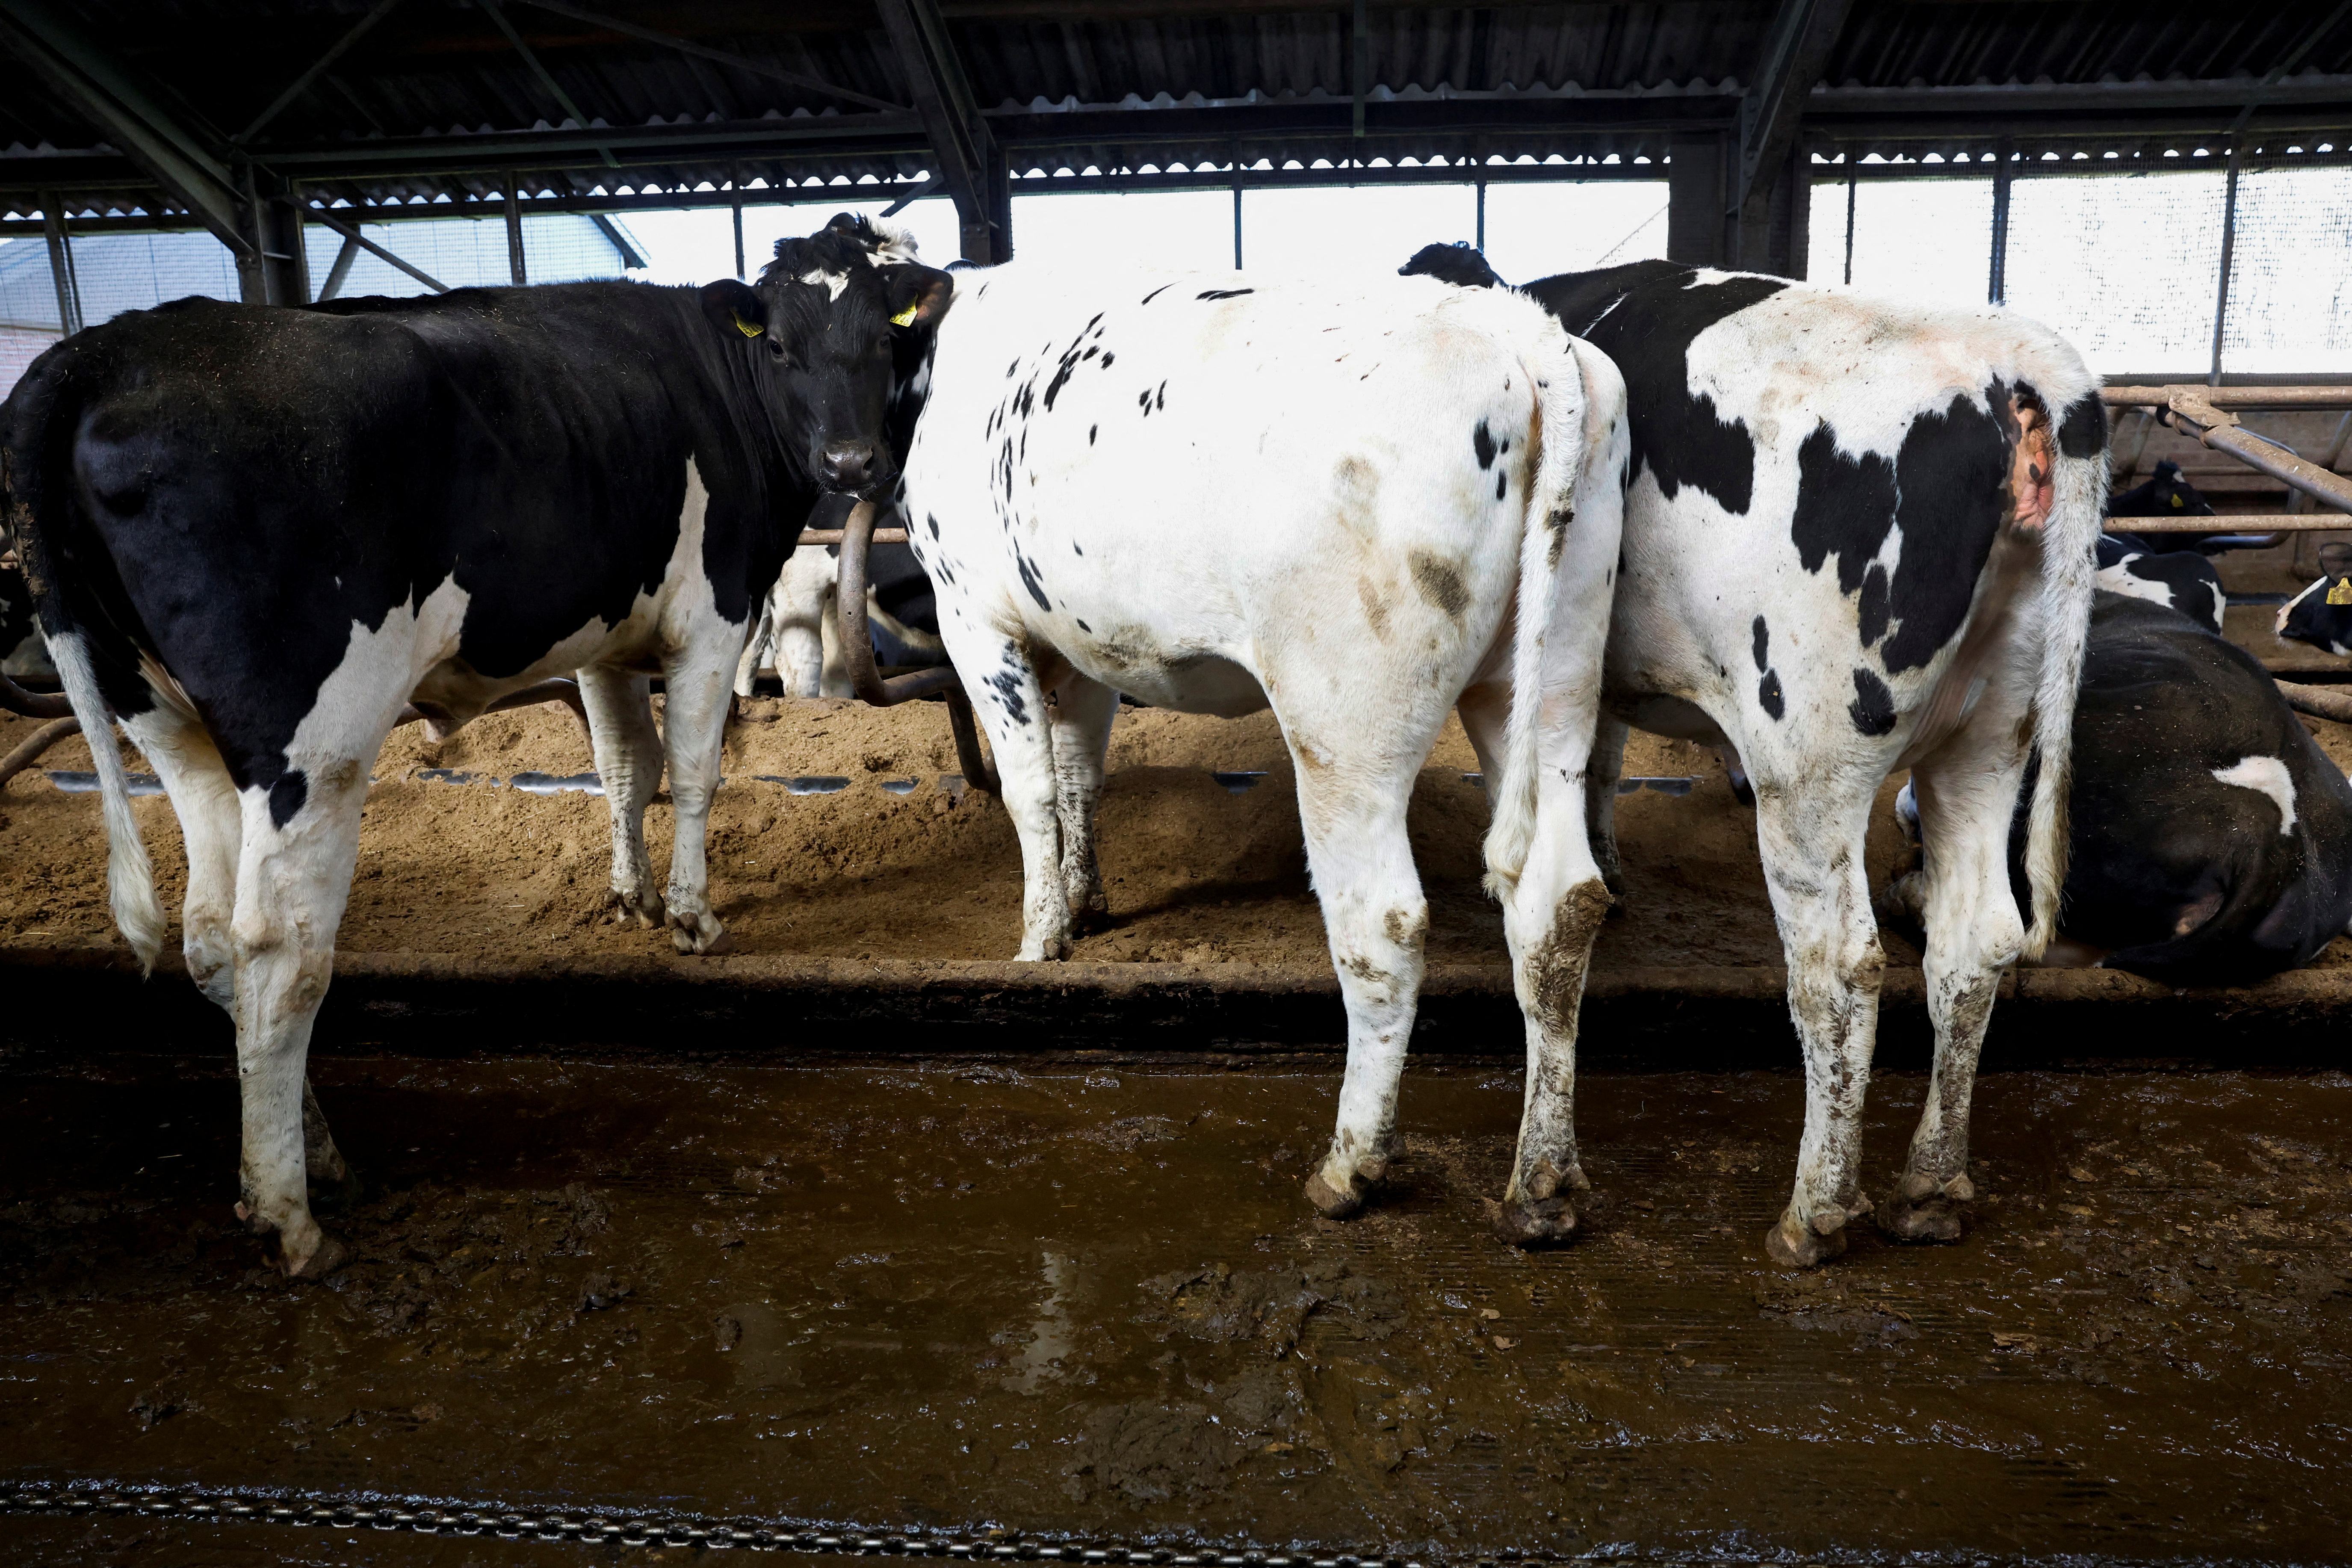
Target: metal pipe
[1997,290]
[32,704]
[2189,410]
[1850,188]
[349,231]
[735,203]
[339,272]
[2231,396]
[2325,703]
[40,740]
[2233,522]
[857,637]
[821,536]
[856,641]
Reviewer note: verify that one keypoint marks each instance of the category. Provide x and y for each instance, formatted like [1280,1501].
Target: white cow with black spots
[1362,505]
[1858,537]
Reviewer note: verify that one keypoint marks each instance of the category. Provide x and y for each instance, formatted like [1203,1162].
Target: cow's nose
[846,464]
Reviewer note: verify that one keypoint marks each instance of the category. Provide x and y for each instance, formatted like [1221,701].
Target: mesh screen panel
[1536,230]
[1930,241]
[2291,274]
[557,247]
[2123,266]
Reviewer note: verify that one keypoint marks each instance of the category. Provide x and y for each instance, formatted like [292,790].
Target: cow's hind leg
[1811,839]
[1966,794]
[1352,798]
[1009,700]
[1083,711]
[212,828]
[698,683]
[1552,909]
[294,877]
[628,752]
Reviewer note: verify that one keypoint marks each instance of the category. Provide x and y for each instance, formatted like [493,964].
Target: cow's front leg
[1010,703]
[1083,711]
[694,732]
[628,750]
[1966,796]
[1812,849]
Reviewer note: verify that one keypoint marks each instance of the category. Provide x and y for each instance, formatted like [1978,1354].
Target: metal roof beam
[703,51]
[1795,46]
[967,154]
[546,77]
[107,94]
[318,69]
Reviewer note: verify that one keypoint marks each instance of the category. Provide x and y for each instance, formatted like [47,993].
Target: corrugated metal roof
[1071,84]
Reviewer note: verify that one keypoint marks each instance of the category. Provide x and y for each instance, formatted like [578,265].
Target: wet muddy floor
[1089,1299]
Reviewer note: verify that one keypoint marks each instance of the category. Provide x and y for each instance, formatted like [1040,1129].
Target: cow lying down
[2211,839]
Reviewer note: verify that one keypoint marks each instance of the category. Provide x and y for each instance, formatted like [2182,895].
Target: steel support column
[1764,173]
[2003,175]
[62,269]
[516,267]
[978,178]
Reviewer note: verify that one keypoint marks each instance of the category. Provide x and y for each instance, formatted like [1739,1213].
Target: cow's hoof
[1336,1203]
[1792,1244]
[703,934]
[645,908]
[324,1257]
[1044,951]
[1533,1222]
[1925,1210]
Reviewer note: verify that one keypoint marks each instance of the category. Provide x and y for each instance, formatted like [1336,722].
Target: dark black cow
[2165,494]
[255,535]
[1859,537]
[22,654]
[2211,837]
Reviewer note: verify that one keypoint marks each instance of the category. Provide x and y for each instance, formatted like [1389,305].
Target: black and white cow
[2211,839]
[255,535]
[2164,493]
[2322,613]
[1361,503]
[1858,537]
[2183,580]
[797,635]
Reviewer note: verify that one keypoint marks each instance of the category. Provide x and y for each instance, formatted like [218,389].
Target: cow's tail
[2069,568]
[1570,483]
[35,440]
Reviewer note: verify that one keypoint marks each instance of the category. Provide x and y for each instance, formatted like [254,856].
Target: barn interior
[857,1240]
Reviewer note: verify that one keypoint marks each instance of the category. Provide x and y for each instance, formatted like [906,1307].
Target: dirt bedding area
[949,1299]
[1196,871]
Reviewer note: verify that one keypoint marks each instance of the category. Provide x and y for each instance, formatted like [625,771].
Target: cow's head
[829,312]
[2322,613]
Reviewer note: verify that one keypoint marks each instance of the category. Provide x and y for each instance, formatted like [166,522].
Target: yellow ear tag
[2177,503]
[749,329]
[2340,591]
[906,318]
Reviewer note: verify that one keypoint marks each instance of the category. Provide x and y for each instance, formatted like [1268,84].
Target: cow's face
[829,311]
[2322,613]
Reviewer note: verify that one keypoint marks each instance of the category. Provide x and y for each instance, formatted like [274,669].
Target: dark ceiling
[438,98]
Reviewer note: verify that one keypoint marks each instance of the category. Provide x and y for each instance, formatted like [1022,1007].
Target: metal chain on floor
[86,1498]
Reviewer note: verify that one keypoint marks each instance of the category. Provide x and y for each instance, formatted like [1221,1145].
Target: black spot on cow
[934,522]
[1761,635]
[1007,687]
[1679,438]
[1224,293]
[287,796]
[1481,442]
[1157,292]
[1160,401]
[1948,488]
[1873,610]
[1108,357]
[1084,627]
[1872,707]
[1844,506]
[1032,579]
[1767,694]
[1502,483]
[1011,370]
[2083,430]
[1092,431]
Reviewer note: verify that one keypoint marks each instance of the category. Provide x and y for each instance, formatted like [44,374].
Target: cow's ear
[919,295]
[735,307]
